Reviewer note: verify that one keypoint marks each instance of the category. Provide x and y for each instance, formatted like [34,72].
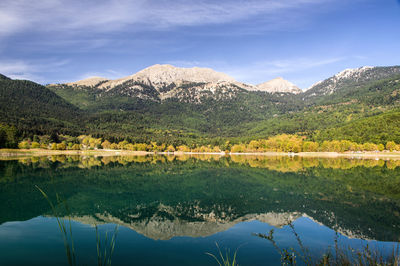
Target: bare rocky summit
[160,76]
[89,82]
[161,82]
[278,85]
[205,224]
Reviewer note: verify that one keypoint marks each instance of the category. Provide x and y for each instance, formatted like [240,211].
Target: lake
[172,210]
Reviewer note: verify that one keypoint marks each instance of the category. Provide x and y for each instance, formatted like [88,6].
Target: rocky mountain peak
[351,72]
[89,82]
[169,74]
[277,85]
[350,79]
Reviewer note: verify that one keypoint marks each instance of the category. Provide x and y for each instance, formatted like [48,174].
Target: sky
[303,41]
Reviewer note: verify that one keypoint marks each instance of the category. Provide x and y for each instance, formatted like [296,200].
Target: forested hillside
[360,105]
[34,109]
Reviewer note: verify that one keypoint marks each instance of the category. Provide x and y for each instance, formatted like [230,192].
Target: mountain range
[160,82]
[188,105]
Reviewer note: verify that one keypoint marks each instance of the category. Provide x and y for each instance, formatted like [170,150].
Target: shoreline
[6,153]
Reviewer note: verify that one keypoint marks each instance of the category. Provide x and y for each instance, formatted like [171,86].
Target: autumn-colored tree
[75,147]
[183,148]
[391,145]
[381,147]
[35,145]
[142,147]
[130,147]
[61,146]
[24,145]
[216,149]
[370,147]
[106,144]
[121,144]
[253,146]
[170,148]
[310,146]
[238,148]
[326,146]
[114,146]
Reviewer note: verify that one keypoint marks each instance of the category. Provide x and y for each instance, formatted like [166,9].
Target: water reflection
[277,163]
[200,195]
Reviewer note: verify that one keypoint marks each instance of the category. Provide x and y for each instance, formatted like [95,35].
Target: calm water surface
[172,210]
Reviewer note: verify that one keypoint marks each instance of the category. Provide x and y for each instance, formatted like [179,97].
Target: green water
[172,210]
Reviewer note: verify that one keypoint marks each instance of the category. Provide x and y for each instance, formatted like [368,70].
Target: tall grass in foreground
[104,258]
[105,250]
[66,230]
[339,256]
[224,260]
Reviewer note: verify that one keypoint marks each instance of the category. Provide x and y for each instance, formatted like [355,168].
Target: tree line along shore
[281,143]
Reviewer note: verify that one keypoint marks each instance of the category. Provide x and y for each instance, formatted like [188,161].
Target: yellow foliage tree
[170,148]
[23,145]
[61,146]
[106,144]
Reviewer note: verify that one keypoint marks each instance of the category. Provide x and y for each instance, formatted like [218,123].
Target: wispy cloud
[104,16]
[277,67]
[261,71]
[109,74]
[20,69]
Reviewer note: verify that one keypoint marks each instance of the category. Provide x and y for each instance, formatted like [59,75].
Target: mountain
[199,103]
[195,100]
[161,76]
[378,128]
[34,108]
[278,85]
[160,82]
[2,77]
[202,225]
[349,80]
[89,82]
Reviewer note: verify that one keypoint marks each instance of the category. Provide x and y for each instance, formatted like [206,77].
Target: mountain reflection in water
[199,195]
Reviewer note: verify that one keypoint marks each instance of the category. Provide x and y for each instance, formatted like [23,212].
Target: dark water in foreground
[172,210]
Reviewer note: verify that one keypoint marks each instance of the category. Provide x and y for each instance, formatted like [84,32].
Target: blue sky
[303,41]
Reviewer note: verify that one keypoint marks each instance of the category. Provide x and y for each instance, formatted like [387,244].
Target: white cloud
[108,74]
[261,71]
[20,69]
[75,16]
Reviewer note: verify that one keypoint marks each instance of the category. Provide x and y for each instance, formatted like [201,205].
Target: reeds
[105,249]
[66,230]
[340,255]
[224,260]
[104,258]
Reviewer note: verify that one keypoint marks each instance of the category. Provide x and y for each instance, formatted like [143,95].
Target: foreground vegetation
[336,255]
